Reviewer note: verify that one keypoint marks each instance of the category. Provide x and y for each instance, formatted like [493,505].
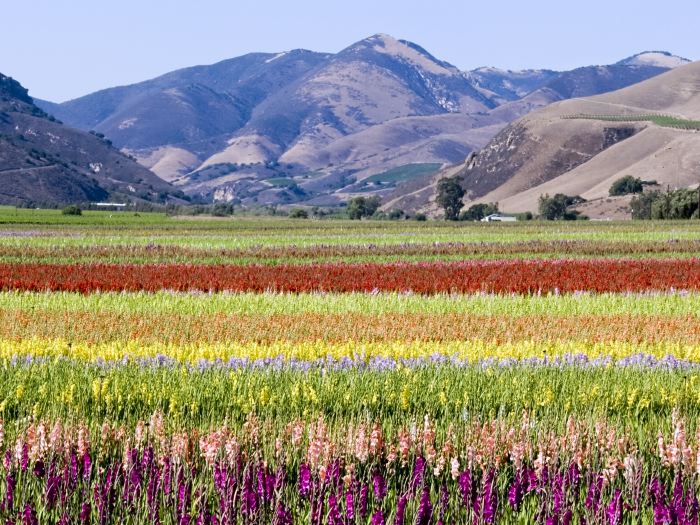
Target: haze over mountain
[549,151]
[44,162]
[318,128]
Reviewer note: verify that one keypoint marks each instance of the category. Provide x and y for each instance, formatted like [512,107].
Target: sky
[63,49]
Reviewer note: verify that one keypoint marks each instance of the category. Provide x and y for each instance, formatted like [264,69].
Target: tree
[359,207]
[641,204]
[477,212]
[626,185]
[72,210]
[556,208]
[449,197]
[298,213]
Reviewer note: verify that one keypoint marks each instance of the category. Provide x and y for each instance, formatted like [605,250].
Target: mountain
[581,146]
[44,162]
[655,58]
[318,128]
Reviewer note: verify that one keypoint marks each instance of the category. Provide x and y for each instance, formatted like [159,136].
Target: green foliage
[526,216]
[477,212]
[626,185]
[402,173]
[298,213]
[556,208]
[671,205]
[421,217]
[449,197]
[361,207]
[667,121]
[72,210]
[222,209]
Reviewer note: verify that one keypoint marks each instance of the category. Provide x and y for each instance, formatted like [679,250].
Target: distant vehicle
[497,217]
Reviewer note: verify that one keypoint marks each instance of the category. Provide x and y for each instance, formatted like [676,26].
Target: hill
[581,146]
[44,162]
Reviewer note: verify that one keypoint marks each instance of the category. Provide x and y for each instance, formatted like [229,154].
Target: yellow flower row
[470,350]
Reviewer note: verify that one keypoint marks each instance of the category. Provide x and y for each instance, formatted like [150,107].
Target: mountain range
[379,117]
[650,130]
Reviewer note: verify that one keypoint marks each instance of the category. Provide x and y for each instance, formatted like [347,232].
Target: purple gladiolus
[364,492]
[379,483]
[304,480]
[425,508]
[488,499]
[378,518]
[29,516]
[594,493]
[53,484]
[444,501]
[401,510]
[613,511]
[85,511]
[418,471]
[334,517]
[10,484]
[87,466]
[465,488]
[39,470]
[349,506]
[282,515]
[516,492]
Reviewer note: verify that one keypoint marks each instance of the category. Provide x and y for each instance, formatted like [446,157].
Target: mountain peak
[656,59]
[405,51]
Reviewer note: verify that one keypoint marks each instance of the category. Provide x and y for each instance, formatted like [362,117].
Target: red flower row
[425,278]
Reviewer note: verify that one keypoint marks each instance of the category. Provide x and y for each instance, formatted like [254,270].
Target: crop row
[160,253]
[479,473]
[354,354]
[352,328]
[204,395]
[679,304]
[538,276]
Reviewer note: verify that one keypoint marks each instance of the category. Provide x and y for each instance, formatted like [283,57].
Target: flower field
[259,371]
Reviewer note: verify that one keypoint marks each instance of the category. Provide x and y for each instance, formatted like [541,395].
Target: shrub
[626,185]
[72,210]
[298,213]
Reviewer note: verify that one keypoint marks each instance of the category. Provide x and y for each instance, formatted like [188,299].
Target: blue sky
[62,49]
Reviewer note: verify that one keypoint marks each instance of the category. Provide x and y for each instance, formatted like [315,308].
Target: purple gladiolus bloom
[10,484]
[379,483]
[85,513]
[401,510]
[488,499]
[39,470]
[53,484]
[349,506]
[24,459]
[282,515]
[378,518]
[465,488]
[87,466]
[425,508]
[304,480]
[613,511]
[567,517]
[418,470]
[364,491]
[29,516]
[334,517]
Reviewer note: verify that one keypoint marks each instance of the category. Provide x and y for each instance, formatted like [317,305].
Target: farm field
[260,370]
